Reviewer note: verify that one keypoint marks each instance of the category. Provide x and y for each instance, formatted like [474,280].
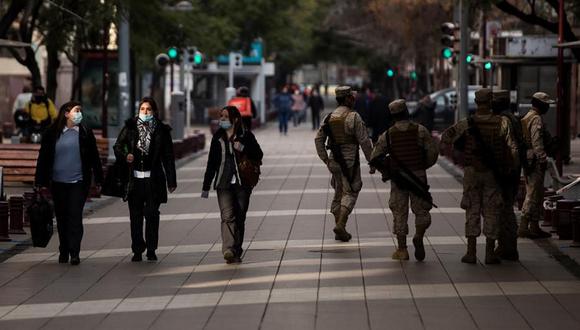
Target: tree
[536,13]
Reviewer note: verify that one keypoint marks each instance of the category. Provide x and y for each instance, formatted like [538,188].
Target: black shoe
[137,257]
[151,256]
[63,258]
[75,260]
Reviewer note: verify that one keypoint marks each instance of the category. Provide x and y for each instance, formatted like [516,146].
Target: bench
[19,160]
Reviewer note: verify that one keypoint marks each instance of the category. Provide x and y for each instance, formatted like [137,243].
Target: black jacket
[215,160]
[91,161]
[163,172]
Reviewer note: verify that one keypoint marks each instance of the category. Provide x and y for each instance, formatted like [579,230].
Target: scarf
[146,130]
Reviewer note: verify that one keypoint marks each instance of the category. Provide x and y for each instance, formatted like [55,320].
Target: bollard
[564,226]
[28,198]
[4,222]
[549,209]
[16,208]
[575,227]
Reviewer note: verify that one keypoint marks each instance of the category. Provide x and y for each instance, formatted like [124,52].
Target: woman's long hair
[234,113]
[60,121]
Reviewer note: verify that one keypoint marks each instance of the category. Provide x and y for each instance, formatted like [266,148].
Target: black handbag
[115,184]
[40,213]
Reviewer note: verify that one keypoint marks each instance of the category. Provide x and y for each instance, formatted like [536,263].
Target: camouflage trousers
[481,198]
[345,193]
[533,207]
[399,205]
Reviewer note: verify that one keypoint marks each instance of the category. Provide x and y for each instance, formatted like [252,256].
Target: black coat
[91,161]
[163,174]
[214,161]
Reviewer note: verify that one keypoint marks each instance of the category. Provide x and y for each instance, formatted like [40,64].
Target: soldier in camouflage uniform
[507,247]
[537,139]
[482,193]
[348,132]
[414,148]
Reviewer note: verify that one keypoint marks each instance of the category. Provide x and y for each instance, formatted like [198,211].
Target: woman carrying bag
[145,148]
[233,161]
[67,162]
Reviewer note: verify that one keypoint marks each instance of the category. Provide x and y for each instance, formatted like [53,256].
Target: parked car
[445,109]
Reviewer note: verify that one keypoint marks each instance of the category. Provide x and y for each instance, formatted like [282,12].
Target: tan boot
[401,253]
[536,232]
[470,257]
[340,230]
[418,242]
[490,256]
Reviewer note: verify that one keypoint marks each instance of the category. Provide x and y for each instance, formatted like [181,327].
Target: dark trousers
[315,119]
[69,201]
[142,205]
[247,122]
[233,204]
[283,116]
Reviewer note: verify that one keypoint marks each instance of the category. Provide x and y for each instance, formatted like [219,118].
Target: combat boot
[490,256]
[507,249]
[536,232]
[401,253]
[470,257]
[418,242]
[340,230]
[523,230]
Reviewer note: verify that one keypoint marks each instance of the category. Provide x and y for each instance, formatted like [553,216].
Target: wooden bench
[19,160]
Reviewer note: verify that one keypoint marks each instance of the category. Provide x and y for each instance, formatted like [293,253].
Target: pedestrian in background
[145,146]
[425,114]
[316,104]
[298,106]
[67,163]
[245,105]
[230,146]
[283,104]
[379,116]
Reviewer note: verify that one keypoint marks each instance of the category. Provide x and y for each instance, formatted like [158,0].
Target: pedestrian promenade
[294,274]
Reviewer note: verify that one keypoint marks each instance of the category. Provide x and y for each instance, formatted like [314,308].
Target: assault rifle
[403,177]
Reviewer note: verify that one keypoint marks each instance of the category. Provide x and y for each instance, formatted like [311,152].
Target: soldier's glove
[205,194]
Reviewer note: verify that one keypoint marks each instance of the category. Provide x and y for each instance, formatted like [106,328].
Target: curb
[90,208]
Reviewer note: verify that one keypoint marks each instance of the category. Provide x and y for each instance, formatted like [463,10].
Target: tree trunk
[53,63]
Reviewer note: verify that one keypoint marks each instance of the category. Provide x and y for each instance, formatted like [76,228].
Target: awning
[572,44]
[13,44]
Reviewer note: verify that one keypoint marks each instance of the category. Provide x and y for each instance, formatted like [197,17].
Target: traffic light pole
[171,76]
[560,88]
[463,74]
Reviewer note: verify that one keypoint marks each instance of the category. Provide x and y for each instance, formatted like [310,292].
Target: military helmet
[398,106]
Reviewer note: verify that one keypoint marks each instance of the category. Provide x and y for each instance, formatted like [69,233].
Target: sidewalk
[294,274]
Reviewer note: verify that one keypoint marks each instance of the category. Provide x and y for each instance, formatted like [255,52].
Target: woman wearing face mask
[229,143]
[67,162]
[146,147]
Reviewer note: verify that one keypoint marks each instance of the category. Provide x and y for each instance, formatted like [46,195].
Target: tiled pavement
[294,275]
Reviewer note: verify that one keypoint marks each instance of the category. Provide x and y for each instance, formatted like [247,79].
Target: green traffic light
[197,58]
[469,58]
[172,53]
[487,66]
[413,75]
[447,53]
[390,73]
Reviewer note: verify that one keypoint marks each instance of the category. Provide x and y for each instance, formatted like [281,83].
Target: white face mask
[76,117]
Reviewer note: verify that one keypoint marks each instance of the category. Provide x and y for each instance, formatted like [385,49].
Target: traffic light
[469,58]
[487,65]
[173,53]
[193,57]
[162,60]
[413,75]
[236,60]
[449,39]
[390,73]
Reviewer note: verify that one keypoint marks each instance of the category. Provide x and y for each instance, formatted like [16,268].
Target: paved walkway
[294,275]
